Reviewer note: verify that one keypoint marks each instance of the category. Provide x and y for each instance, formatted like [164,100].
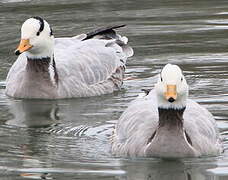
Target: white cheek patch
[29,28]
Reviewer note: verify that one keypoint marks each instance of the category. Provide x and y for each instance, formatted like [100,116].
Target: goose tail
[109,33]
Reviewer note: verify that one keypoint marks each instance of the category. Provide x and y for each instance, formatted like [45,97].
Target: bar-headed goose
[52,68]
[165,123]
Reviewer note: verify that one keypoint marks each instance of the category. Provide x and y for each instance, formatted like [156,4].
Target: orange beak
[171,92]
[23,46]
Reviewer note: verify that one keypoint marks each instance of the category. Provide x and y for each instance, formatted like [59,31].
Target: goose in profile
[52,68]
[165,123]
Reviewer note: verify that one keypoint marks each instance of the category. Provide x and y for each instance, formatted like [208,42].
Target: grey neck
[171,117]
[170,138]
[42,67]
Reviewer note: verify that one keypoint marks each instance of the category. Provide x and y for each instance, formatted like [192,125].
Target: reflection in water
[30,113]
[166,170]
[30,161]
[35,155]
[56,117]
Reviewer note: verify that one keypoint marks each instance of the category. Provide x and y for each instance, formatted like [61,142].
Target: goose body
[153,126]
[53,68]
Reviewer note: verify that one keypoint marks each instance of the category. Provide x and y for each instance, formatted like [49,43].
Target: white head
[37,39]
[171,88]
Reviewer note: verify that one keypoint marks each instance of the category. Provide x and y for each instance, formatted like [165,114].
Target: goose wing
[85,68]
[201,127]
[136,126]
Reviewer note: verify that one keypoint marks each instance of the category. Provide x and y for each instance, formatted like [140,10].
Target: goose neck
[44,68]
[38,64]
[171,117]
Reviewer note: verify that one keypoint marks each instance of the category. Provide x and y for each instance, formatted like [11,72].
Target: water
[69,139]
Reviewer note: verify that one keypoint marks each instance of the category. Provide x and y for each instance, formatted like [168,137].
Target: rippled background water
[68,139]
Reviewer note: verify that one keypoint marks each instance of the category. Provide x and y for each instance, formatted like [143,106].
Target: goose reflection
[35,156]
[58,115]
[166,170]
[30,113]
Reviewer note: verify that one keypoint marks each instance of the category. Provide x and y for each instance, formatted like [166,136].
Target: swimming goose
[53,68]
[165,123]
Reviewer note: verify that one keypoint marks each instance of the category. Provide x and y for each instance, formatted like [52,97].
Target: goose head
[37,40]
[171,88]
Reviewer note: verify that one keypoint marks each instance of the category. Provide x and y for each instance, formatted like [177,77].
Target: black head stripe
[41,24]
[51,32]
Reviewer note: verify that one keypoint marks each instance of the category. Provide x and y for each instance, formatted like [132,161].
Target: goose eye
[161,79]
[181,78]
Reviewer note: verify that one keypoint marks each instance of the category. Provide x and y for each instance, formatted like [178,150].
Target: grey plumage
[165,123]
[84,65]
[140,120]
